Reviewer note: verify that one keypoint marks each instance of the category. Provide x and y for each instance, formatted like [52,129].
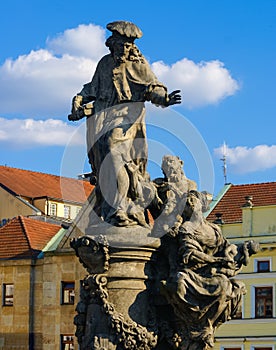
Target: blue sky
[221,54]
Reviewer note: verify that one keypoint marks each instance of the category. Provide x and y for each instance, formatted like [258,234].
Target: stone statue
[164,284]
[199,286]
[172,192]
[116,135]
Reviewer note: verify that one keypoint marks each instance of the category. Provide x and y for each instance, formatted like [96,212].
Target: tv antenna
[223,159]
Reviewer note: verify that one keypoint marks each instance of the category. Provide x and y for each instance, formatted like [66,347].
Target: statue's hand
[225,262]
[174,98]
[77,115]
[76,102]
[77,109]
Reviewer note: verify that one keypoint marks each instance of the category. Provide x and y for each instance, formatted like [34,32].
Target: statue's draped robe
[116,133]
[208,296]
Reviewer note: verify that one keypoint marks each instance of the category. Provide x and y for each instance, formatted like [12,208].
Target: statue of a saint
[116,135]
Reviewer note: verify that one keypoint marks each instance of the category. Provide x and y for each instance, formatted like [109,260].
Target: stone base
[133,236]
[115,307]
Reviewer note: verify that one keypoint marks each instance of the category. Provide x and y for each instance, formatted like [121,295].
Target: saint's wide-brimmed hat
[125,28]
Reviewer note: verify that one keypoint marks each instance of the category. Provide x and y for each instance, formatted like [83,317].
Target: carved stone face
[118,45]
[192,204]
[172,168]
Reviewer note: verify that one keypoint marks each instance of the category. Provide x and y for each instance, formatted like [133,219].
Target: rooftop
[34,184]
[231,202]
[25,238]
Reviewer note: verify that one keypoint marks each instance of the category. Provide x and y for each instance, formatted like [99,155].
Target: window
[53,209]
[68,293]
[67,211]
[67,342]
[8,289]
[263,302]
[263,265]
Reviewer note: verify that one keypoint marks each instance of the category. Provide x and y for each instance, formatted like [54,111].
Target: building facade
[40,285]
[246,212]
[40,276]
[25,192]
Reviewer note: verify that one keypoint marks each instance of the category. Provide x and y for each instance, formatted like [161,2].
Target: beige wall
[231,230]
[44,206]
[48,319]
[56,319]
[251,332]
[256,221]
[259,220]
[15,325]
[41,204]
[11,206]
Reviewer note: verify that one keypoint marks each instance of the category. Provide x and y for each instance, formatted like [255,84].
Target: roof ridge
[9,222]
[255,183]
[217,199]
[40,172]
[25,231]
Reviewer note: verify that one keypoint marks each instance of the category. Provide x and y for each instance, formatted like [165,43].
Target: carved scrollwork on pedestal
[123,334]
[118,333]
[92,253]
[128,334]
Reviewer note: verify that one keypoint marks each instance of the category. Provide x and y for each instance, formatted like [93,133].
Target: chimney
[218,220]
[248,202]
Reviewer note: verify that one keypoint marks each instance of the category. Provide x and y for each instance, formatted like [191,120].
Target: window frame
[8,296]
[262,346]
[52,205]
[254,300]
[232,347]
[259,260]
[64,342]
[64,289]
[67,207]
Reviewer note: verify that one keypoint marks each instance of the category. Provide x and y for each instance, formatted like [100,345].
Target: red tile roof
[25,238]
[230,204]
[33,184]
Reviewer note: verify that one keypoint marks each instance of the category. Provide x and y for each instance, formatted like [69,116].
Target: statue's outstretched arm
[81,106]
[173,98]
[158,95]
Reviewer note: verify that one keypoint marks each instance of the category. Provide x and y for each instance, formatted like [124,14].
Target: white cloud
[83,41]
[246,160]
[33,133]
[200,84]
[43,82]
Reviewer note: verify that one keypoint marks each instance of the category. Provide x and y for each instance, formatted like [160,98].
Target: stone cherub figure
[116,136]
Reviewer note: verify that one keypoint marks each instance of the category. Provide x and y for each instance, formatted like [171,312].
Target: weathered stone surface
[116,132]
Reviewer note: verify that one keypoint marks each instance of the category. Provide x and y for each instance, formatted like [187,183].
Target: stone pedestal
[115,310]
